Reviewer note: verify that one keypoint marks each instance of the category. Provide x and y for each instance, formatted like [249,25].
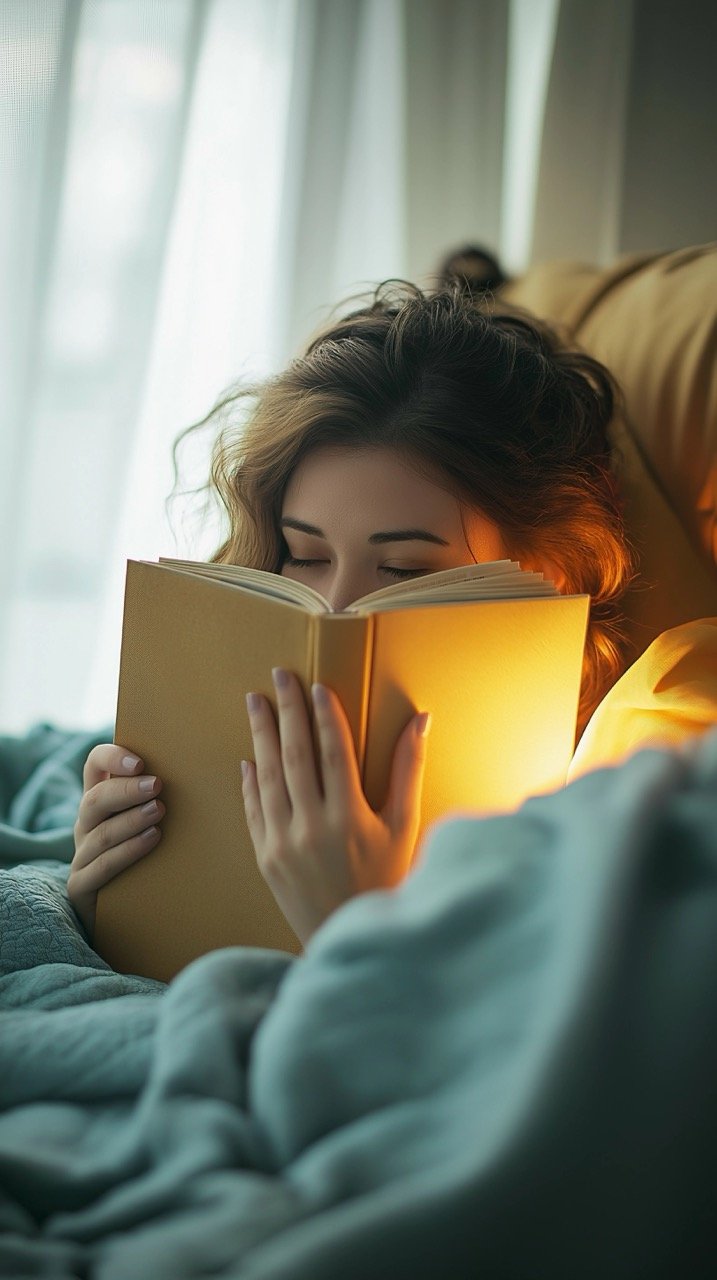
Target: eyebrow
[391,535]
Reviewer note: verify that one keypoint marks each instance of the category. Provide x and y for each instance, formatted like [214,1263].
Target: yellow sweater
[664,699]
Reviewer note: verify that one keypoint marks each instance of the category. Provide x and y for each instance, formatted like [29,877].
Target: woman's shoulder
[666,697]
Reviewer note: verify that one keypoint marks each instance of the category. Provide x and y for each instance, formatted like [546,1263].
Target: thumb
[402,809]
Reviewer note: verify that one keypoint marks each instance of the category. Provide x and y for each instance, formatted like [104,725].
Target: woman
[416,434]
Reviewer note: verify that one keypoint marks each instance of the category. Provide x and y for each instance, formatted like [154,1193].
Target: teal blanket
[506,1068]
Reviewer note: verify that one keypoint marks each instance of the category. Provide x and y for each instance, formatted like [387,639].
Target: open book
[492,651]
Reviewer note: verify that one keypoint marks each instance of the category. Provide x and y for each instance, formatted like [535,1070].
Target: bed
[504,1068]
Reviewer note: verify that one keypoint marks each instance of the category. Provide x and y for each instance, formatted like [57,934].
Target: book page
[269,584]
[494,579]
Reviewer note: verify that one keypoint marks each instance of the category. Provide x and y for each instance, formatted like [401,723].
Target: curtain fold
[105,153]
[580,166]
[215,293]
[531,41]
[322,91]
[37,47]
[669,185]
[456,56]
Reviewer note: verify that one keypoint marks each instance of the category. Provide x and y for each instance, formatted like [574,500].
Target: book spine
[341,659]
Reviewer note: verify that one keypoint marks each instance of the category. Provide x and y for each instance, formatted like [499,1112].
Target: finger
[252,805]
[403,805]
[273,795]
[339,767]
[108,864]
[297,747]
[115,831]
[114,795]
[106,759]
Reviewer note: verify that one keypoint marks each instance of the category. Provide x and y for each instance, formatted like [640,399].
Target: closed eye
[402,573]
[297,563]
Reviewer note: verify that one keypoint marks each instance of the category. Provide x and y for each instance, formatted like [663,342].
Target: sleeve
[665,699]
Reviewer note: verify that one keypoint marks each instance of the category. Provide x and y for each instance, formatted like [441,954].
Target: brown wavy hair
[514,422]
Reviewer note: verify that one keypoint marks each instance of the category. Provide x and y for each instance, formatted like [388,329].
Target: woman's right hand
[116,824]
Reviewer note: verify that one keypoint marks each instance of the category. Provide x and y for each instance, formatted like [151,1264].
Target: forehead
[372,484]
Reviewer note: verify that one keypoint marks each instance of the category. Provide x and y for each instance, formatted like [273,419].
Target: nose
[346,587]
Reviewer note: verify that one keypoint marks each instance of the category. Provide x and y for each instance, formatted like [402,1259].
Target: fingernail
[253,702]
[423,724]
[146,784]
[150,808]
[280,677]
[320,695]
[149,831]
[130,762]
[244,770]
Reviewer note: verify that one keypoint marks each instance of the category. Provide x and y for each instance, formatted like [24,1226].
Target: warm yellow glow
[494,741]
[665,698]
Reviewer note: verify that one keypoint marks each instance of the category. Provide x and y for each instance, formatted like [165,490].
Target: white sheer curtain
[186,186]
[143,152]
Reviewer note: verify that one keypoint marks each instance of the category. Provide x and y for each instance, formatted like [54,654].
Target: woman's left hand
[317,840]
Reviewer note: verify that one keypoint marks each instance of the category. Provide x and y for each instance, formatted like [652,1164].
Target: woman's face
[355,520]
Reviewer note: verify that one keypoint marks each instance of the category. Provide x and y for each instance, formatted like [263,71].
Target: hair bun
[473,268]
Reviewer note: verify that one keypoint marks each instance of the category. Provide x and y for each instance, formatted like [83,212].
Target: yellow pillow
[656,329]
[652,319]
[665,698]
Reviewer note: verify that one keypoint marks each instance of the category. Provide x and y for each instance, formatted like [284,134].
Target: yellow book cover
[495,654]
